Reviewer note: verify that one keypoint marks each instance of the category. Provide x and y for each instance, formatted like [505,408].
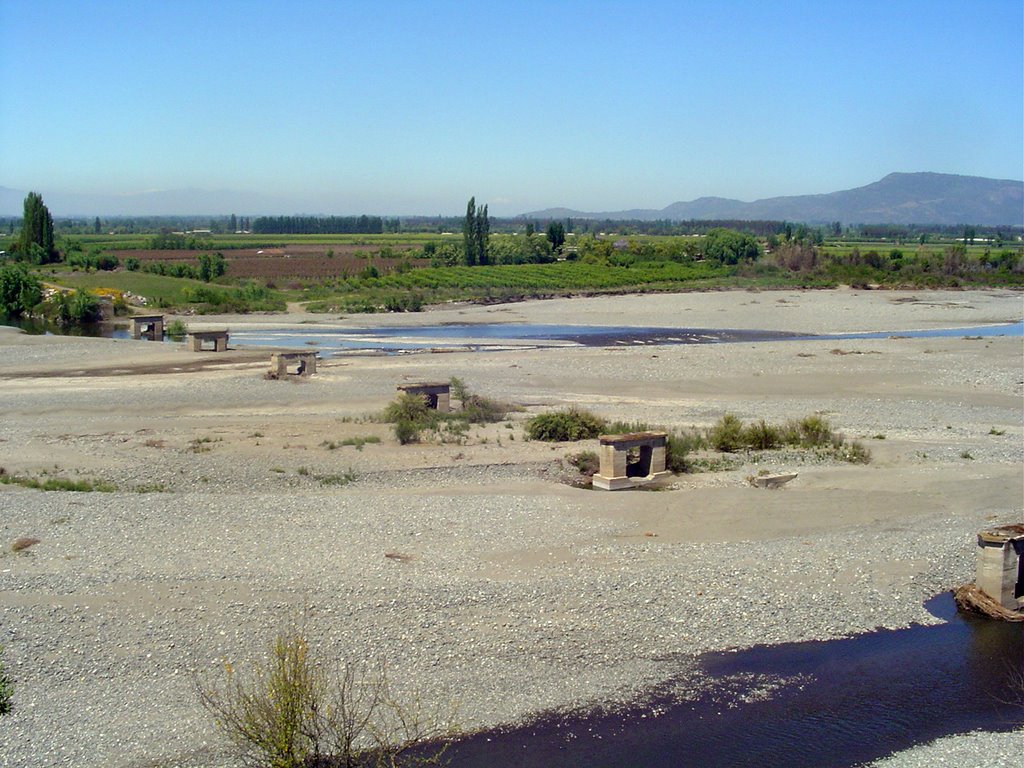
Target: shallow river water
[846,702]
[495,336]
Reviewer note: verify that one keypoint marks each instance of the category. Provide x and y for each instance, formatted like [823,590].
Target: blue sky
[411,107]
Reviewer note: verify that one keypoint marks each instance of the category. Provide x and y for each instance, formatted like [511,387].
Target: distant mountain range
[899,198]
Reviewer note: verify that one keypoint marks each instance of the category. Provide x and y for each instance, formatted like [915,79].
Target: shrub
[476,409]
[678,447]
[407,407]
[727,434]
[107,262]
[177,329]
[343,478]
[626,427]
[761,436]
[564,426]
[586,462]
[814,431]
[406,431]
[296,711]
[20,291]
[854,452]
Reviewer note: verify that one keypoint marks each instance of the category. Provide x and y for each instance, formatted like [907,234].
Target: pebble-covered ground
[487,584]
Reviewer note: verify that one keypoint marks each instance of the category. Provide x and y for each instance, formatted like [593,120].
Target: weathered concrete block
[1000,565]
[629,461]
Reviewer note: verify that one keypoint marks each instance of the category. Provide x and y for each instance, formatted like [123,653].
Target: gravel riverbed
[487,585]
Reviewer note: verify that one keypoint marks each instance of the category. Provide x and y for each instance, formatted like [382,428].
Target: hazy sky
[411,107]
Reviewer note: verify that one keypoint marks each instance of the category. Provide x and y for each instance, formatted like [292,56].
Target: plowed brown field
[290,261]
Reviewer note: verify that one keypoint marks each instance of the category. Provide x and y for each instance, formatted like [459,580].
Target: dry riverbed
[486,582]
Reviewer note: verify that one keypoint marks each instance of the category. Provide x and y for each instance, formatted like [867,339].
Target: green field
[392,272]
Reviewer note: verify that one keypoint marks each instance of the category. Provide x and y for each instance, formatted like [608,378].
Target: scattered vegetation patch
[343,478]
[151,488]
[356,442]
[411,416]
[715,464]
[994,431]
[203,444]
[728,435]
[586,462]
[56,483]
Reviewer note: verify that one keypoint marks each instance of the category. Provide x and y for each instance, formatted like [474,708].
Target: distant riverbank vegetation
[375,264]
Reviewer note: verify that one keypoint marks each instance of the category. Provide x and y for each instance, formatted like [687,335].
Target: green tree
[469,233]
[476,231]
[211,266]
[556,235]
[37,230]
[482,230]
[19,290]
[97,226]
[727,246]
[233,226]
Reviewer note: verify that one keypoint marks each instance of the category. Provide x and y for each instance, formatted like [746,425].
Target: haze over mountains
[164,202]
[899,198]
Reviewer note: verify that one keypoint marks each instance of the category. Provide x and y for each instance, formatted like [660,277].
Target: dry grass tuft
[23,543]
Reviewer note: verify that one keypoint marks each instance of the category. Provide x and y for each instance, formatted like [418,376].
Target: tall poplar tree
[36,230]
[469,233]
[482,231]
[476,231]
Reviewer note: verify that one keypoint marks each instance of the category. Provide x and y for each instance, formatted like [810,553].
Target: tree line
[322,225]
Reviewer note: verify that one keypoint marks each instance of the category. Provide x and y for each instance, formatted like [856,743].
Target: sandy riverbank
[518,593]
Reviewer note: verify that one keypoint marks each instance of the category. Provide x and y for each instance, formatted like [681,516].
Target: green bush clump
[177,329]
[727,435]
[814,431]
[406,432]
[565,426]
[409,408]
[762,436]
